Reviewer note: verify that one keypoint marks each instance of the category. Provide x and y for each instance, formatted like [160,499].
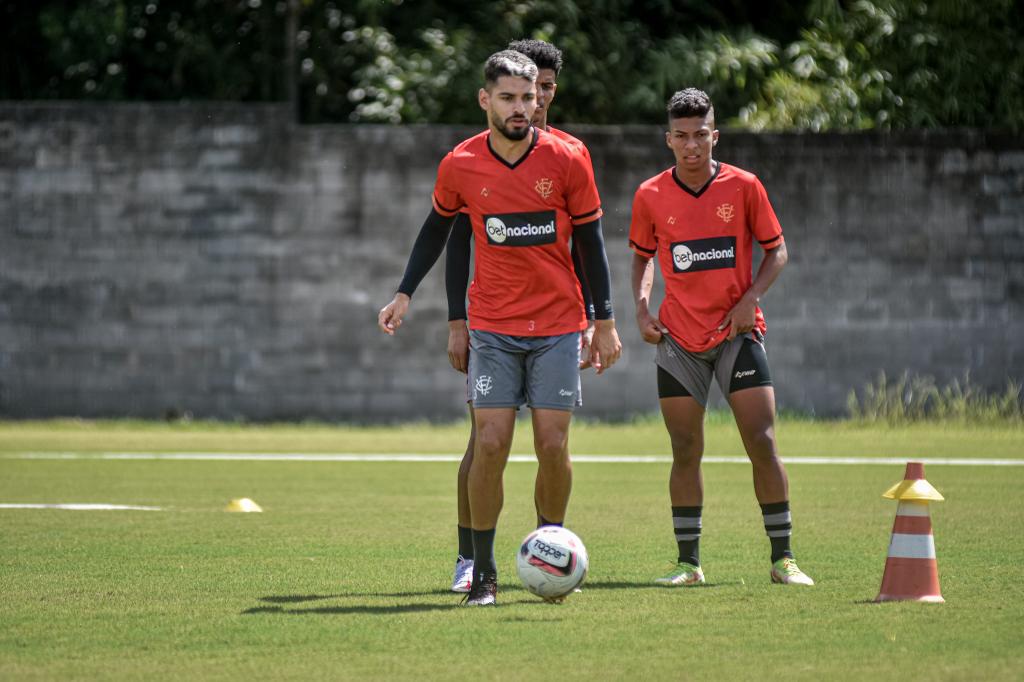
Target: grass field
[345,574]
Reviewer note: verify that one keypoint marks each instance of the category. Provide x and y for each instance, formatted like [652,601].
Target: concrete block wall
[215,259]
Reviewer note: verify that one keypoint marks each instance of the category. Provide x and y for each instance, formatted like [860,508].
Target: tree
[814,65]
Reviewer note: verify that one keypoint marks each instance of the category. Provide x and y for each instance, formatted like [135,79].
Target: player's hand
[390,317]
[586,336]
[651,329]
[458,345]
[741,319]
[605,347]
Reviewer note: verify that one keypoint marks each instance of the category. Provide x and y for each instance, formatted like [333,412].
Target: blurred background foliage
[772,65]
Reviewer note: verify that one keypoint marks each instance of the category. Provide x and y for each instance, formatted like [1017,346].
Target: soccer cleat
[463,580]
[786,572]
[484,591]
[683,575]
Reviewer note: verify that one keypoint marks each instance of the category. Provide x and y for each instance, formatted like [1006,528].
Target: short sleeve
[447,200]
[582,199]
[762,219]
[641,228]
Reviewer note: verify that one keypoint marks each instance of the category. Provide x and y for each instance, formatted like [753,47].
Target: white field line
[419,457]
[74,506]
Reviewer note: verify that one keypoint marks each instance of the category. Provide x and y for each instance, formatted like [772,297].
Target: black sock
[483,553]
[545,522]
[778,524]
[465,542]
[687,523]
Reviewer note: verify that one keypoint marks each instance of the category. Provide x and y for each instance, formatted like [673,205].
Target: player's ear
[668,139]
[714,137]
[484,98]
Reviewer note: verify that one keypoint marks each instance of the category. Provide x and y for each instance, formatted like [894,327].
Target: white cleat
[786,572]
[463,580]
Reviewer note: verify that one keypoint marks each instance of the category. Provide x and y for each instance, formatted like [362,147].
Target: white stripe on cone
[912,508]
[905,546]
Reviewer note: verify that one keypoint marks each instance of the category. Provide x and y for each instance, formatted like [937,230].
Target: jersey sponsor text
[715,253]
[521,229]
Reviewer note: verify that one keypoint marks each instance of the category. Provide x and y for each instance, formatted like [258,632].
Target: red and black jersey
[704,244]
[574,142]
[523,216]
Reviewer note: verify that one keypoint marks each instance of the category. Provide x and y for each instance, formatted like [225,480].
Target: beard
[508,133]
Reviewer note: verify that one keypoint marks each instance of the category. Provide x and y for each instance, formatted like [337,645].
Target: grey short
[737,364]
[510,371]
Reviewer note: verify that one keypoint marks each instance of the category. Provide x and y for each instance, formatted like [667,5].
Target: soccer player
[527,193]
[700,218]
[550,505]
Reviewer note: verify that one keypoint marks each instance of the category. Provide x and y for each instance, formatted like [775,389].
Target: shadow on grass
[349,610]
[620,585]
[513,594]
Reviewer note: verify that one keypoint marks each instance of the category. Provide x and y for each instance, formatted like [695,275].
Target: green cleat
[786,572]
[683,575]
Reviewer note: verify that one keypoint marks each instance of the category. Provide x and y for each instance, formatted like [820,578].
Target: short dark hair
[508,63]
[544,55]
[690,102]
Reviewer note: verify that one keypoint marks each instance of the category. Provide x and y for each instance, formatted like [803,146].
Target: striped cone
[911,572]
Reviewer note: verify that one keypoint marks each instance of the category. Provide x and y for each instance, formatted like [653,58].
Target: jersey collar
[685,188]
[533,143]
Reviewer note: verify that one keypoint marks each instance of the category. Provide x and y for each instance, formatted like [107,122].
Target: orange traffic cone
[911,573]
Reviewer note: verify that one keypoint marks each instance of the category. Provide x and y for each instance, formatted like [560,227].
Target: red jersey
[704,244]
[565,137]
[523,216]
[573,142]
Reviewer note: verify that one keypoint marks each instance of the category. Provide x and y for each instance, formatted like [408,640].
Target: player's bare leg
[754,410]
[684,419]
[554,468]
[494,429]
[462,579]
[465,518]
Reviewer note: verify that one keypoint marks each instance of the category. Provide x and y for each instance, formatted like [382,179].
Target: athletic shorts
[538,371]
[736,365]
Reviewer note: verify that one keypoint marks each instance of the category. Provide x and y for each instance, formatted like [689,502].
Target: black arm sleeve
[577,264]
[425,252]
[595,264]
[456,266]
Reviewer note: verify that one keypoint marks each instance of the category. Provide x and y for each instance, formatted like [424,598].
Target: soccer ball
[552,562]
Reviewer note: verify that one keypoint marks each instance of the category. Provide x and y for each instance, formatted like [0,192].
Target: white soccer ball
[552,562]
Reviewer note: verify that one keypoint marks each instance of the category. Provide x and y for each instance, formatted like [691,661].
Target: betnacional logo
[726,212]
[716,253]
[544,187]
[521,229]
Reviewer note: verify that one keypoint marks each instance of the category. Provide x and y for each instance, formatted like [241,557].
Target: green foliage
[812,65]
[918,398]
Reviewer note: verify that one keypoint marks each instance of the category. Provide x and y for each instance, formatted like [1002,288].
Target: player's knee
[761,444]
[490,443]
[687,448]
[552,448]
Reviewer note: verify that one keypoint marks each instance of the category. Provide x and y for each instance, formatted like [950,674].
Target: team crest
[544,187]
[726,212]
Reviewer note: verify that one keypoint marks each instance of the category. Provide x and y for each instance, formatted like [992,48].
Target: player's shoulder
[559,143]
[727,171]
[657,183]
[471,146]
[568,138]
